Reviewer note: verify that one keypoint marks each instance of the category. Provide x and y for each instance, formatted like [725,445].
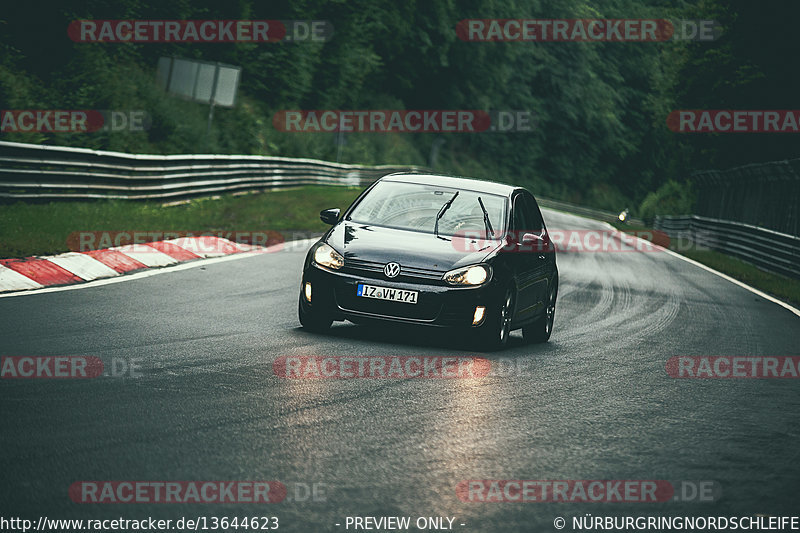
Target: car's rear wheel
[494,334]
[313,320]
[541,330]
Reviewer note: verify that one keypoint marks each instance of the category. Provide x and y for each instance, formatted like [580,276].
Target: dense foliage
[601,135]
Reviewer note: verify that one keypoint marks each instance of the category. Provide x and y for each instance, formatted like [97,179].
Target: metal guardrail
[766,195]
[767,249]
[55,172]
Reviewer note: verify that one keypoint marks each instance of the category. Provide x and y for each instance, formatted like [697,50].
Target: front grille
[374,270]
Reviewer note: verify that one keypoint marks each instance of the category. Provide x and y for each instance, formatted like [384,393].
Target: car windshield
[414,206]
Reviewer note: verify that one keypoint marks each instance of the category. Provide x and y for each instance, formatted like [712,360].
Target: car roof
[457,182]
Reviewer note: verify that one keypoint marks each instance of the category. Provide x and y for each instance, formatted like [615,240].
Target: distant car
[438,251]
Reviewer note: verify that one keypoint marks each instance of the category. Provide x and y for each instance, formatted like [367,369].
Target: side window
[533,215]
[521,221]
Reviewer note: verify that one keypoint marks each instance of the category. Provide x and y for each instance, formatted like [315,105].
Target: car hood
[409,248]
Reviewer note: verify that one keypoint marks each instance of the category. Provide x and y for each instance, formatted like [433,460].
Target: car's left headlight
[470,275]
[326,256]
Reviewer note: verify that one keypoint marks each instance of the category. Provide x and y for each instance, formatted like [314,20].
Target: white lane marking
[147,255]
[83,266]
[720,274]
[174,268]
[11,280]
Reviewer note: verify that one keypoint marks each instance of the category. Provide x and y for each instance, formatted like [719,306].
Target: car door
[541,258]
[523,260]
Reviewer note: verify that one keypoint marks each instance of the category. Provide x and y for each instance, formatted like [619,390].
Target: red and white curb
[76,267]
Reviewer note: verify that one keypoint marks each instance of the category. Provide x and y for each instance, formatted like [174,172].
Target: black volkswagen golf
[438,251]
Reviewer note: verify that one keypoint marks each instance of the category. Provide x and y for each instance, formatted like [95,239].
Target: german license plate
[385,293]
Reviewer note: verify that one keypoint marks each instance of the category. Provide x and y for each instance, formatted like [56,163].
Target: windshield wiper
[444,208]
[486,221]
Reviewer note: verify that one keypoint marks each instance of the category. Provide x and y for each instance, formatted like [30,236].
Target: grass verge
[781,287]
[44,228]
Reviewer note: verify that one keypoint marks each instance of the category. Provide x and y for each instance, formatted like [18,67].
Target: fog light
[478,317]
[307,291]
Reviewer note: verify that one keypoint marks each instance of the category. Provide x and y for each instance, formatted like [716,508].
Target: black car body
[435,250]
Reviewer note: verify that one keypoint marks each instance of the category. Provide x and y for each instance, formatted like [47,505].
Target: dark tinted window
[415,206]
[533,215]
[521,221]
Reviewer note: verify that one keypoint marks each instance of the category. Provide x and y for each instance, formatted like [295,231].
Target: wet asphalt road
[593,403]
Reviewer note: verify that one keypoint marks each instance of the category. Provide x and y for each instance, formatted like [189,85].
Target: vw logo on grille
[391,270]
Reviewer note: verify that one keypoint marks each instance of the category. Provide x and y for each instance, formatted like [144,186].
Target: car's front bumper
[334,293]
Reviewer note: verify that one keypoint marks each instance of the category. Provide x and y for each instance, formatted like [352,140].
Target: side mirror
[330,216]
[534,243]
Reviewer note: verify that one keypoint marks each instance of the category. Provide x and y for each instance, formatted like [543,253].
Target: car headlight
[471,275]
[326,256]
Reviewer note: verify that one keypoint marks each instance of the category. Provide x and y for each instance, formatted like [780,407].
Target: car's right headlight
[327,257]
[470,275]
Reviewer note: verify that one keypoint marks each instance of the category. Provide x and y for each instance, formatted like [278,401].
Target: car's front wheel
[541,330]
[494,334]
[313,320]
